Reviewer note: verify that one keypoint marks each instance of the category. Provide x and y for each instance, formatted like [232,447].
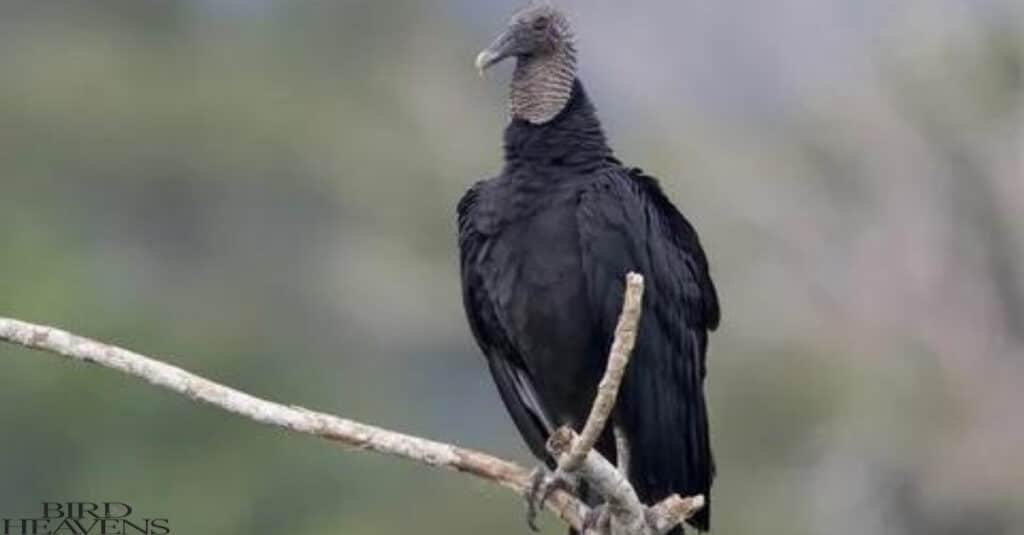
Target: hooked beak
[485,60]
[501,49]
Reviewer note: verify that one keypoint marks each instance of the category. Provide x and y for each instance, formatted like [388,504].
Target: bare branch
[673,511]
[575,453]
[347,432]
[628,515]
[624,506]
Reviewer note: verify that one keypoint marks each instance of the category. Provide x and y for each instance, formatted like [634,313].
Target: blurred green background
[263,192]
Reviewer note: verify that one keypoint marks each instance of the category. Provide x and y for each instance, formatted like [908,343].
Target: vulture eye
[541,23]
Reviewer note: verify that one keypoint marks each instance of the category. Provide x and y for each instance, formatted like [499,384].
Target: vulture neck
[542,85]
[573,138]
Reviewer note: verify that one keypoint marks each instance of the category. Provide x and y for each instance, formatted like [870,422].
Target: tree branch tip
[675,510]
[561,440]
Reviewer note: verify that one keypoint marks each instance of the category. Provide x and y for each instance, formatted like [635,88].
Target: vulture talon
[542,483]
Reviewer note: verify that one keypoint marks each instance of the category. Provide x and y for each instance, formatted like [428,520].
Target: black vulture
[545,247]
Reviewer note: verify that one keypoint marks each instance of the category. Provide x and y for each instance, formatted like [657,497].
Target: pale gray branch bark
[576,455]
[346,432]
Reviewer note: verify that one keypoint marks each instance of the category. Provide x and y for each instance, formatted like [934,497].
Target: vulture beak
[501,49]
[484,60]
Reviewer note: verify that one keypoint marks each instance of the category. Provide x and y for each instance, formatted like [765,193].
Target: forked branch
[578,452]
[626,514]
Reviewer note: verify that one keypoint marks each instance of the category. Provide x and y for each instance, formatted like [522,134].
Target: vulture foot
[542,483]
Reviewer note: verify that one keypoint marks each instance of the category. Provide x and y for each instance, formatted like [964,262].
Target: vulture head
[540,39]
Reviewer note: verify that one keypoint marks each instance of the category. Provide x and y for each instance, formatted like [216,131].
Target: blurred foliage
[263,192]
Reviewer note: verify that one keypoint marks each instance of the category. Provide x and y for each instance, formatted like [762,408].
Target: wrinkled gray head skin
[540,39]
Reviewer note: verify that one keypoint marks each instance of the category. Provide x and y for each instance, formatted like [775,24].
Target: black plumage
[545,247]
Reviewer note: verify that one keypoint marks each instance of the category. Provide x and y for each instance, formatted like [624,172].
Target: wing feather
[515,385]
[627,224]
